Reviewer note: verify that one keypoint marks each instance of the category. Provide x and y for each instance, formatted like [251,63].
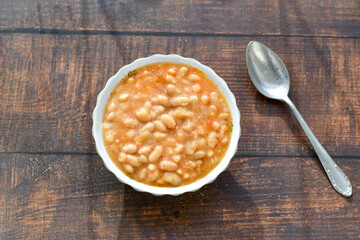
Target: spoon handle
[337,177]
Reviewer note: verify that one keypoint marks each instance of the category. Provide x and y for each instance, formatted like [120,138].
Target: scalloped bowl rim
[99,111]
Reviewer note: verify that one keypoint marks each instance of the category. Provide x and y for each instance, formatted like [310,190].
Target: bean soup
[166,125]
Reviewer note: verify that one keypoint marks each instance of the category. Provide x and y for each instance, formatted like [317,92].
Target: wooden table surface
[56,56]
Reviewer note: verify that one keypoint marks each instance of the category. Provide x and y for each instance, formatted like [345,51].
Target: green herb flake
[131,72]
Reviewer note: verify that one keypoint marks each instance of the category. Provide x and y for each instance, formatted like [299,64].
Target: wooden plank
[255,17]
[145,16]
[320,18]
[259,197]
[50,82]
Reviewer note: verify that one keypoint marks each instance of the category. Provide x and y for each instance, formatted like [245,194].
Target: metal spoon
[271,78]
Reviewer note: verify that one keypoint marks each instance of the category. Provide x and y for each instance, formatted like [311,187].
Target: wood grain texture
[75,197]
[56,56]
[50,83]
[255,17]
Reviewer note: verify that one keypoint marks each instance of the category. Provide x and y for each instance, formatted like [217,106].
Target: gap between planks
[161,34]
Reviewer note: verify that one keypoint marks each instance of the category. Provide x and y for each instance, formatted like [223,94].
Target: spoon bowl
[267,71]
[271,78]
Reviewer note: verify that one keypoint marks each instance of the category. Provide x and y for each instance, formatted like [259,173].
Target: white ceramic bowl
[98,118]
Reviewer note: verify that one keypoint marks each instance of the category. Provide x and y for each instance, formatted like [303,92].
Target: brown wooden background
[56,56]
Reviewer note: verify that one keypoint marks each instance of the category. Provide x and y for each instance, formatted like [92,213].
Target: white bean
[205,99]
[142,115]
[160,126]
[199,154]
[142,174]
[156,111]
[214,160]
[172,89]
[216,125]
[185,82]
[145,135]
[167,165]
[153,175]
[143,159]
[200,130]
[176,158]
[168,120]
[190,164]
[222,131]
[145,150]
[171,178]
[111,116]
[110,136]
[214,98]
[155,155]
[160,181]
[210,153]
[194,135]
[183,71]
[159,136]
[179,101]
[133,160]
[128,168]
[130,134]
[138,85]
[213,110]
[129,148]
[224,116]
[122,157]
[170,78]
[131,122]
[179,148]
[163,100]
[123,97]
[148,105]
[149,126]
[151,167]
[190,147]
[188,126]
[111,107]
[171,71]
[194,100]
[224,141]
[194,77]
[212,139]
[108,125]
[182,113]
